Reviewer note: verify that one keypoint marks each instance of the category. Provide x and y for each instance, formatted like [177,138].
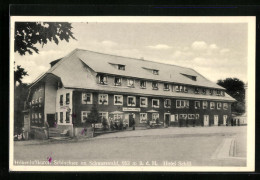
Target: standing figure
[133,123]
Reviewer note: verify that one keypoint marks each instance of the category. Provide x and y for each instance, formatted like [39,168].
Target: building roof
[73,73]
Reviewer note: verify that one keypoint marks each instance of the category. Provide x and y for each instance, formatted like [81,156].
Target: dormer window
[130,82]
[117,81]
[102,79]
[156,72]
[155,85]
[121,67]
[166,87]
[194,78]
[196,91]
[142,84]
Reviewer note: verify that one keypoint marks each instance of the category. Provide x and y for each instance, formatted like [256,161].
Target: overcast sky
[215,50]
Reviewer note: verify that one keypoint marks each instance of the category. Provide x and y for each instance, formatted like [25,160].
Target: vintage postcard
[132,93]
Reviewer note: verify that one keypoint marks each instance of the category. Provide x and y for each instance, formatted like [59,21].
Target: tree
[94,116]
[235,88]
[28,34]
[20,96]
[19,73]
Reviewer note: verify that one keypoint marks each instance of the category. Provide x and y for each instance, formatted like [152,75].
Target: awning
[152,111]
[117,112]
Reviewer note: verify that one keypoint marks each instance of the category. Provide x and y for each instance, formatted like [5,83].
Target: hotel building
[123,88]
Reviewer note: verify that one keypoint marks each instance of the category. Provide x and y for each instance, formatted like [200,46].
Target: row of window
[178,88]
[122,68]
[84,115]
[131,101]
[36,101]
[67,118]
[36,116]
[67,99]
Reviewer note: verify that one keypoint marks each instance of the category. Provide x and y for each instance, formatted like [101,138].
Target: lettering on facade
[131,109]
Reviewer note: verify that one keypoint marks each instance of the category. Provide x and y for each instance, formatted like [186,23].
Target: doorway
[206,120]
[167,119]
[215,120]
[131,118]
[51,120]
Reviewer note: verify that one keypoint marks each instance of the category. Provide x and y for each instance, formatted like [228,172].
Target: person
[133,123]
[46,125]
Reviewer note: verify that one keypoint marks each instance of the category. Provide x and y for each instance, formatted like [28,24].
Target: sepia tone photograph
[132,93]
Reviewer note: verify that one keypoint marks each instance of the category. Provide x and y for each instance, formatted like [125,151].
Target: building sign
[131,109]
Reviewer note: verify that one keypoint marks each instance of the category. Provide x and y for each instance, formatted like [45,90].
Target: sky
[215,50]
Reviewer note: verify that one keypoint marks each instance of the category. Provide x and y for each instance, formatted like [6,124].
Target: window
[155,103]
[32,101]
[197,105]
[182,104]
[86,98]
[212,105]
[225,106]
[197,116]
[166,87]
[67,98]
[204,91]
[177,88]
[118,100]
[143,84]
[155,116]
[67,117]
[130,82]
[40,99]
[181,88]
[36,115]
[103,115]
[40,115]
[196,91]
[211,91]
[218,92]
[117,81]
[118,117]
[185,89]
[61,100]
[143,102]
[191,116]
[84,116]
[204,104]
[156,72]
[155,85]
[131,101]
[219,105]
[102,79]
[103,99]
[121,67]
[167,103]
[143,117]
[36,101]
[61,117]
[183,116]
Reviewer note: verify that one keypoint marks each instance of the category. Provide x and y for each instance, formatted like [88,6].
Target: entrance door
[131,119]
[51,120]
[215,120]
[167,119]
[224,120]
[206,120]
